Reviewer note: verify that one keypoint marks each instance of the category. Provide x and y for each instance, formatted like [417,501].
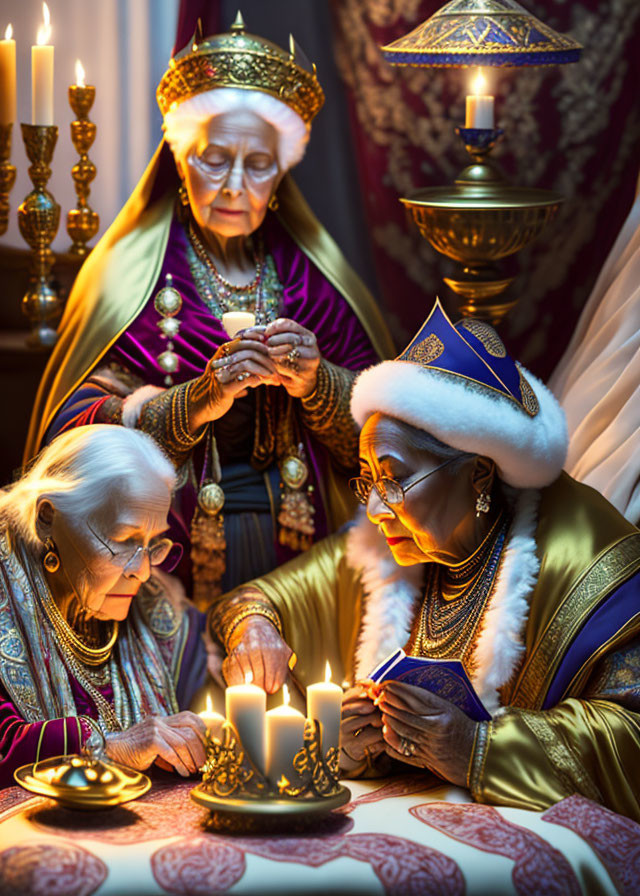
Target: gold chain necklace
[89,656]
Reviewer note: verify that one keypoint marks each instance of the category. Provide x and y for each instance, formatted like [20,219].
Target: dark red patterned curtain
[573,128]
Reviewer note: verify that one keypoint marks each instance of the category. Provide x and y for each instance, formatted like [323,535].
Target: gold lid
[241,60]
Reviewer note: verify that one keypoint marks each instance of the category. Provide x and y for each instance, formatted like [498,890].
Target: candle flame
[209,703]
[283,783]
[479,84]
[327,672]
[44,31]
[248,677]
[80,74]
[9,32]
[286,699]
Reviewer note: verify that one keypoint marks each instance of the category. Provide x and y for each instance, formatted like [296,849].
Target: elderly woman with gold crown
[259,423]
[478,551]
[99,647]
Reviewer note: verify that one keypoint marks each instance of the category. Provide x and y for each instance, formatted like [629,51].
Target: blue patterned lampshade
[482,32]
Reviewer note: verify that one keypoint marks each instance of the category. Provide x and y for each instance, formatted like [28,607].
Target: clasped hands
[280,354]
[408,724]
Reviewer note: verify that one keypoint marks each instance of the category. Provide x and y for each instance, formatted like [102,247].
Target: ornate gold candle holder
[7,175]
[479,220]
[82,221]
[241,798]
[39,218]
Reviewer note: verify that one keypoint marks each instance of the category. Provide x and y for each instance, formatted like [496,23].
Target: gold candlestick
[82,222]
[7,175]
[39,218]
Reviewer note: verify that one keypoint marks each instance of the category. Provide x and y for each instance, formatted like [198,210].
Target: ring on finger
[242,376]
[405,747]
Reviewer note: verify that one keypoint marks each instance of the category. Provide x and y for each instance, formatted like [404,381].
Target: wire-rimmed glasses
[389,490]
[158,551]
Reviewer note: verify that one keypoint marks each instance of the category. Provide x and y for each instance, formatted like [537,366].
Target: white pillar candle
[8,78]
[234,321]
[245,707]
[324,703]
[285,738]
[479,106]
[213,720]
[42,74]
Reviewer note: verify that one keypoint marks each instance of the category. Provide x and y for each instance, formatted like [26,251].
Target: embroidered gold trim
[487,336]
[479,758]
[529,400]
[613,567]
[426,351]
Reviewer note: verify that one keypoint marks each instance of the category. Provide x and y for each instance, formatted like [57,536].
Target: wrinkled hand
[172,742]
[438,734]
[256,647]
[294,351]
[360,729]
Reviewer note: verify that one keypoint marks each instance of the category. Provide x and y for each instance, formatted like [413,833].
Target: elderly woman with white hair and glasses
[97,643]
[512,589]
[258,425]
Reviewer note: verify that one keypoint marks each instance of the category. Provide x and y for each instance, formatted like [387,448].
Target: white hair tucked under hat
[182,124]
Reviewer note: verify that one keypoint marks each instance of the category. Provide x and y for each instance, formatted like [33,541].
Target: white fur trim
[500,645]
[529,452]
[133,404]
[182,124]
[391,594]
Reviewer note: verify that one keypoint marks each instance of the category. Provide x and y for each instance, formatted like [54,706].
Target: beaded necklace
[262,295]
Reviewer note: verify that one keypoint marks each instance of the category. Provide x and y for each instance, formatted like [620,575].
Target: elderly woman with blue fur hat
[476,547]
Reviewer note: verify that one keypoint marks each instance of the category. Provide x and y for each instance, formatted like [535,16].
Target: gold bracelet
[251,610]
[478,757]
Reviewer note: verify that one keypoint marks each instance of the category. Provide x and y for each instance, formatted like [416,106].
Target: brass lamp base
[478,221]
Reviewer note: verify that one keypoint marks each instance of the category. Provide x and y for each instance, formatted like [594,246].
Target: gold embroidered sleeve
[531,759]
[166,418]
[326,412]
[230,610]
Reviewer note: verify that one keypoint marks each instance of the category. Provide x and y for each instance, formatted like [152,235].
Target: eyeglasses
[158,551]
[389,490]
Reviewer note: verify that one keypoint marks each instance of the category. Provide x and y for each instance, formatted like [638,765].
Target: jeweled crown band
[243,61]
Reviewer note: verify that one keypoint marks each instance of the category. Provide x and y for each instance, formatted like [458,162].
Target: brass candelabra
[7,175]
[82,221]
[38,219]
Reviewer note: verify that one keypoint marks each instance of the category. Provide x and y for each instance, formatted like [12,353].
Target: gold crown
[246,61]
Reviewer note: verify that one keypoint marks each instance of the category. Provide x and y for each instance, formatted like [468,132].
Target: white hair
[182,124]
[78,469]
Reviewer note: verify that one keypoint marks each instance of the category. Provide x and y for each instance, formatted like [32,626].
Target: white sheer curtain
[124,46]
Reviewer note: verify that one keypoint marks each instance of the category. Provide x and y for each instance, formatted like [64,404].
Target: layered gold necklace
[86,654]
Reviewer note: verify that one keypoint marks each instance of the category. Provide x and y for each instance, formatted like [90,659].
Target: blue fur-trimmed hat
[458,383]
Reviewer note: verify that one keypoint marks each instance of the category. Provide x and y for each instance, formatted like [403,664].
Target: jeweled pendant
[169,326]
[211,498]
[168,361]
[168,300]
[294,471]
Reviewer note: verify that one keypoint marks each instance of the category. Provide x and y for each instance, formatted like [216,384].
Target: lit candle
[213,720]
[234,321]
[245,706]
[285,738]
[8,77]
[324,703]
[42,74]
[80,76]
[479,106]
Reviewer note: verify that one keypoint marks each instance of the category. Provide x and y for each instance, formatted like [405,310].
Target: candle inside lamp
[480,105]
[285,738]
[42,74]
[234,321]
[245,707]
[80,74]
[324,703]
[212,719]
[8,77]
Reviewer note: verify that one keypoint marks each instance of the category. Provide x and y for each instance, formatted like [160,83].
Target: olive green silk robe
[527,757]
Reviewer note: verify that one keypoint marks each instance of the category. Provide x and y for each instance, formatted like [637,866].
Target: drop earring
[483,503]
[51,560]
[274,203]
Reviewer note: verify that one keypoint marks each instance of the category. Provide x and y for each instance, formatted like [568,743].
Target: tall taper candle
[42,74]
[285,738]
[479,108]
[8,78]
[324,703]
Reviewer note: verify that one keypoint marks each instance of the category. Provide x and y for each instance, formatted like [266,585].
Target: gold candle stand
[38,219]
[82,222]
[7,175]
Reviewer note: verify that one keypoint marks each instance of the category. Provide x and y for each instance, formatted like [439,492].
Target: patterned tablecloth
[397,836]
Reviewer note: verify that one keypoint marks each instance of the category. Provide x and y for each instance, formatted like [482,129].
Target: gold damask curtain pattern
[573,128]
